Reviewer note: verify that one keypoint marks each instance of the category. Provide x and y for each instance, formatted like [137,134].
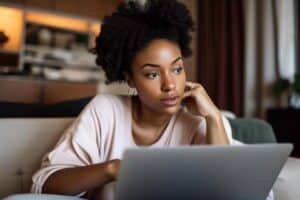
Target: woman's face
[159,77]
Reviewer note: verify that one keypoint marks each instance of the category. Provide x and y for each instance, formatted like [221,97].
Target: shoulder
[187,125]
[190,123]
[188,119]
[197,126]
[105,107]
[109,101]
[109,98]
[103,110]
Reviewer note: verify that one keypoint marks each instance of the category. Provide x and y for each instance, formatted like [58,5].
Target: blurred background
[44,49]
[245,53]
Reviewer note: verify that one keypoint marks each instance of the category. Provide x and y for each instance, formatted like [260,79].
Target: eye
[177,70]
[152,75]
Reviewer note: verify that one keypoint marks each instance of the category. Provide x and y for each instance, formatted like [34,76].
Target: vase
[295,100]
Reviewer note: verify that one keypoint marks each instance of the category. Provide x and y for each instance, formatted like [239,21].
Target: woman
[143,45]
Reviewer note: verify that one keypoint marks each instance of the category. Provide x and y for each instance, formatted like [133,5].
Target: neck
[146,117]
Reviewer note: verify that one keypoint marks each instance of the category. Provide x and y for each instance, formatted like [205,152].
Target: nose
[167,83]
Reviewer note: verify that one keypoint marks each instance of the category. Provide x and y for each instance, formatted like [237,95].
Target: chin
[171,110]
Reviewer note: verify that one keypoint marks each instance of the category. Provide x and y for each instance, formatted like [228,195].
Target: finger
[187,94]
[192,85]
[187,88]
[189,84]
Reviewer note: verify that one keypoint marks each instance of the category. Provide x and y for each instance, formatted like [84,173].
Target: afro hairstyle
[133,26]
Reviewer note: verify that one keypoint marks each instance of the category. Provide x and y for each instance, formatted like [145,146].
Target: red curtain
[221,52]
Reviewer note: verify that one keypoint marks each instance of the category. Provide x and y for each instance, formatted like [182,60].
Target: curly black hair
[132,26]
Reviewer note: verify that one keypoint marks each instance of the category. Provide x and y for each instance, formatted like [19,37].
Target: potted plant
[284,88]
[295,96]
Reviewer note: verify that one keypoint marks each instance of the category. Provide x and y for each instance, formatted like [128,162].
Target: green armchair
[252,131]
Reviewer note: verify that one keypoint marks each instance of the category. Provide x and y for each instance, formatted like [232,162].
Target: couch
[25,140]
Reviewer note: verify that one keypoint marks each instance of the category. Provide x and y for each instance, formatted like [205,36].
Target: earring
[135,92]
[132,92]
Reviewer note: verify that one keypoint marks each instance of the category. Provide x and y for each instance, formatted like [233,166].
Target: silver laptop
[245,172]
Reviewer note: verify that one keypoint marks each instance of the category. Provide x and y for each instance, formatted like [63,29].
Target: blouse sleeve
[78,146]
[201,128]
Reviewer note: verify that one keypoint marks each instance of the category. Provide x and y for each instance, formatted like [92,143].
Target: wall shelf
[51,40]
[7,51]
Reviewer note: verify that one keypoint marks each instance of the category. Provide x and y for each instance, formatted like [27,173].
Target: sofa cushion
[23,144]
[70,108]
[12,109]
[41,197]
[252,131]
[287,185]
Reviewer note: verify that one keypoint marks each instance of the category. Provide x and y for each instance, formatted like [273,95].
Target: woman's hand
[198,102]
[113,168]
[66,182]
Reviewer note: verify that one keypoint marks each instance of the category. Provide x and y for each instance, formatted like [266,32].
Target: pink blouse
[103,131]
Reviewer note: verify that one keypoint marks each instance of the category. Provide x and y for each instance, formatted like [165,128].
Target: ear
[129,80]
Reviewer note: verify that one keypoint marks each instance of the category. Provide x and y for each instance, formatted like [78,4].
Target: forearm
[72,181]
[216,133]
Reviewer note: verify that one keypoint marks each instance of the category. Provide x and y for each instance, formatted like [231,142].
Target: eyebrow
[155,65]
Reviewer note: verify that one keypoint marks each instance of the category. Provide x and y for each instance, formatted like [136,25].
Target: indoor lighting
[11,24]
[57,21]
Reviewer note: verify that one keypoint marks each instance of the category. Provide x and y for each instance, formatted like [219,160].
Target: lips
[170,101]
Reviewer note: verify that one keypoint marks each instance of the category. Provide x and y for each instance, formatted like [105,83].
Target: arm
[199,103]
[215,130]
[73,166]
[71,181]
